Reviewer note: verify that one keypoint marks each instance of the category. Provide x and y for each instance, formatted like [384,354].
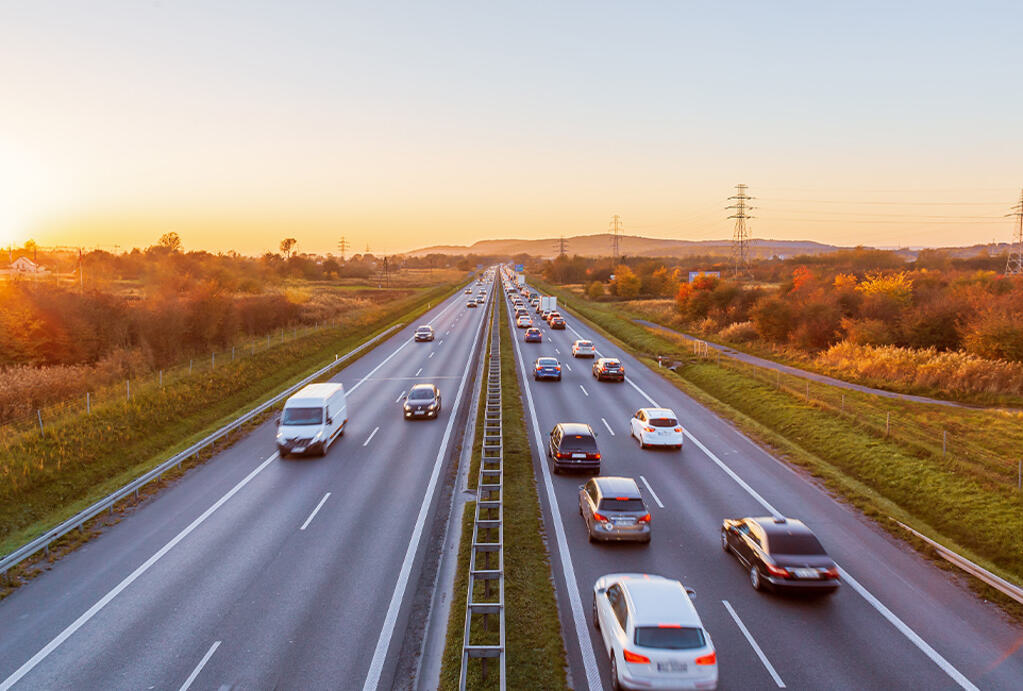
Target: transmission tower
[741,252]
[560,245]
[1015,263]
[615,227]
[343,246]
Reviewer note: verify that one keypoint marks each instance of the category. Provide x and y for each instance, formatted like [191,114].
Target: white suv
[652,633]
[584,349]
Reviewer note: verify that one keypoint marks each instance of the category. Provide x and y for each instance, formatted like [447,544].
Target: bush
[595,290]
[739,332]
[773,318]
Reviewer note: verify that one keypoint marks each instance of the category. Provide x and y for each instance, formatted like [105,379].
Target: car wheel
[589,535]
[536,378]
[559,378]
[754,578]
[615,683]
[555,468]
[724,542]
[596,619]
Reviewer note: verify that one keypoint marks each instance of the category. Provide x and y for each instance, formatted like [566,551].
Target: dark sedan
[781,554]
[422,401]
[533,335]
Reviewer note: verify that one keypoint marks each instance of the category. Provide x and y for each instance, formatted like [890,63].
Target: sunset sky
[400,125]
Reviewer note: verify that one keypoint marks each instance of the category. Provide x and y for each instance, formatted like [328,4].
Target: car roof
[657,600]
[575,428]
[784,526]
[608,359]
[423,327]
[422,386]
[584,341]
[614,486]
[659,412]
[547,357]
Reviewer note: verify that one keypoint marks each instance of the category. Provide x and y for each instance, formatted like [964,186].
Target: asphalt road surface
[256,572]
[897,622]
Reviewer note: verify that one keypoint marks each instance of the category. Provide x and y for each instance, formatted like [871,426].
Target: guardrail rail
[76,522]
[486,557]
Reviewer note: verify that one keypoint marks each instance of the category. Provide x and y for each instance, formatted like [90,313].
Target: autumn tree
[170,242]
[288,246]
[626,283]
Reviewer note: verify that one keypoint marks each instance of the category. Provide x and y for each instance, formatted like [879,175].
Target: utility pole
[1015,263]
[343,246]
[615,227]
[741,253]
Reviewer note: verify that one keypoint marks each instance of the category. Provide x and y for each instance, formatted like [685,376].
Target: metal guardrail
[77,521]
[486,557]
[979,572]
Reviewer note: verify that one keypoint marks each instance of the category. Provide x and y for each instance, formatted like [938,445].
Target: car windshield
[622,504]
[547,362]
[579,442]
[302,416]
[424,329]
[612,364]
[794,544]
[420,394]
[584,344]
[669,637]
[663,422]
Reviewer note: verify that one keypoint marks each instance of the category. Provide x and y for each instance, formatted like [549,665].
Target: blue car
[547,368]
[534,335]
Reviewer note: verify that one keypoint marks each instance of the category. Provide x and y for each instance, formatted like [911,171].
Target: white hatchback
[584,349]
[652,633]
[657,427]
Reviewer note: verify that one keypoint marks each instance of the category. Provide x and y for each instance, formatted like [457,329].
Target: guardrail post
[127,389]
[88,404]
[39,414]
[887,423]
[213,360]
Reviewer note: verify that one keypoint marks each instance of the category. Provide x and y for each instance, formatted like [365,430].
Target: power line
[741,235]
[343,246]
[560,244]
[1014,265]
[616,237]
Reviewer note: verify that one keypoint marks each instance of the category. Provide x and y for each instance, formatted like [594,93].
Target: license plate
[805,573]
[624,521]
[578,455]
[419,412]
[298,449]
[672,667]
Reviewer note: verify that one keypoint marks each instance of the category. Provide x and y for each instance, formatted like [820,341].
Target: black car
[424,333]
[573,445]
[422,401]
[780,554]
[547,368]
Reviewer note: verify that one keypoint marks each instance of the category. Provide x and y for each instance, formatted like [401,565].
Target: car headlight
[432,406]
[280,435]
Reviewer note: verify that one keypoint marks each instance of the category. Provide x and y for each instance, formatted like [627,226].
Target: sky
[401,125]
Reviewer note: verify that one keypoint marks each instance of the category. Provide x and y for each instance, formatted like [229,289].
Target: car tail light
[561,455]
[669,626]
[595,456]
[678,429]
[709,659]
[599,517]
[635,658]
[776,570]
[558,368]
[648,429]
[645,519]
[832,572]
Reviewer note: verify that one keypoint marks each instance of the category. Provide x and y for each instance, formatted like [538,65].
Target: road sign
[520,268]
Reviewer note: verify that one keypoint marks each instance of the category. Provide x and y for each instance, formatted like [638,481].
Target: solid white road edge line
[608,427]
[651,491]
[370,437]
[131,578]
[579,620]
[198,668]
[376,665]
[315,511]
[753,644]
[894,620]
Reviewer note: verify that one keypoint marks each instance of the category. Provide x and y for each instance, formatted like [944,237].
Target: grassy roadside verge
[48,479]
[535,653]
[968,506]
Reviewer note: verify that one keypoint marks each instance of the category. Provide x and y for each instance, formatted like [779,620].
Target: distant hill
[631,245]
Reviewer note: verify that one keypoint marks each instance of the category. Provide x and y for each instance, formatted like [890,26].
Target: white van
[312,419]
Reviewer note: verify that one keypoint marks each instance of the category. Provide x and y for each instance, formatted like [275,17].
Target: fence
[39,420]
[487,533]
[77,521]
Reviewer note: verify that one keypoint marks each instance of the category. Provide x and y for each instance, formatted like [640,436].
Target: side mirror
[692,593]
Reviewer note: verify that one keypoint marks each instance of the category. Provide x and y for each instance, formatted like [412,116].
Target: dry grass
[954,372]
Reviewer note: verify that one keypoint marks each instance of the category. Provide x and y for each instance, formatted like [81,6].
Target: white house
[25,266]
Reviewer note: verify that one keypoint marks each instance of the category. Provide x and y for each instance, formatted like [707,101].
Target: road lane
[290,607]
[834,642]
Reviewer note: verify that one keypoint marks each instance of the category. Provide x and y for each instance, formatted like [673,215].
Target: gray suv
[614,510]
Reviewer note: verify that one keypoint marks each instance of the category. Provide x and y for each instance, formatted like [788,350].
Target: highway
[256,572]
[897,622]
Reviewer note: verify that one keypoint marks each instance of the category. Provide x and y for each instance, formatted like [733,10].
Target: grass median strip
[49,478]
[969,503]
[535,652]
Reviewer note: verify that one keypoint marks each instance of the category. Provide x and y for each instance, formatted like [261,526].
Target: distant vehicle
[583,349]
[551,315]
[424,333]
[312,419]
[545,315]
[573,445]
[533,335]
[480,299]
[468,291]
[547,368]
[549,303]
[524,322]
[521,312]
[613,510]
[780,554]
[652,633]
[609,368]
[657,427]
[471,303]
[558,323]
[422,401]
